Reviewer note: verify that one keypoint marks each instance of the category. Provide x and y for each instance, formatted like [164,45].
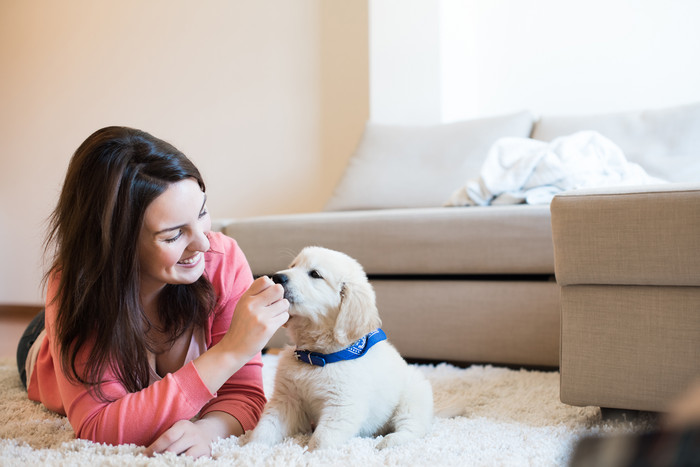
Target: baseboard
[8,310]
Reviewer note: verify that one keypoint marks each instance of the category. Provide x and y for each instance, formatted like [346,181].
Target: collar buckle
[308,357]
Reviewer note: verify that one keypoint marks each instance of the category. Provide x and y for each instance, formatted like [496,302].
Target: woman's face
[173,237]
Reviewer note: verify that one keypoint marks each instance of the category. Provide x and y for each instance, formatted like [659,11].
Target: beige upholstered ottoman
[628,263]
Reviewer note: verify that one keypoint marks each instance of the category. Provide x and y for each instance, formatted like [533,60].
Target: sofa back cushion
[419,166]
[665,142]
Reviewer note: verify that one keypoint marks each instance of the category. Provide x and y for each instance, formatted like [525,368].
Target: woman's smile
[192,260]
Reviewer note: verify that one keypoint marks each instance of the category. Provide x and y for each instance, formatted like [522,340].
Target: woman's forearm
[220,425]
[216,365]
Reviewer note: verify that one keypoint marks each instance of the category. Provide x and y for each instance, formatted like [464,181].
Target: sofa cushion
[419,166]
[628,236]
[421,241]
[665,142]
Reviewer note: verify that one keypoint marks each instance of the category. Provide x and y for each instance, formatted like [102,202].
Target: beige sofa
[628,262]
[467,284]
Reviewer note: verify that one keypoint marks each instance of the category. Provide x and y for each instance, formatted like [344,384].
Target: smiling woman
[147,311]
[173,238]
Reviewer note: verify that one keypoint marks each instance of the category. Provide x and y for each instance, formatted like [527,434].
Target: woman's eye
[173,239]
[203,213]
[314,273]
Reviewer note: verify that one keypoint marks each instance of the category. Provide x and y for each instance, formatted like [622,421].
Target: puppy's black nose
[280,278]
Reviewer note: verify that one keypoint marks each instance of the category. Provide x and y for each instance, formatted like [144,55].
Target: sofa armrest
[642,235]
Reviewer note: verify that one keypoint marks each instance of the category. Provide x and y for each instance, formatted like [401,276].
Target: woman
[151,320]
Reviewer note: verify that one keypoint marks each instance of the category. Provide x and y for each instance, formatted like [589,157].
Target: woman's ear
[358,313]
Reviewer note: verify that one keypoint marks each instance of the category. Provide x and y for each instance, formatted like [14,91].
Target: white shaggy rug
[507,417]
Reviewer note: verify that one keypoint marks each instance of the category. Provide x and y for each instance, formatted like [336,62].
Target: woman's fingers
[182,438]
[259,285]
[166,440]
[271,293]
[280,313]
[266,296]
[198,451]
[260,312]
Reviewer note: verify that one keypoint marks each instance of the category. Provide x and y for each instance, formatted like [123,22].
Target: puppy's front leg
[281,418]
[335,426]
[271,429]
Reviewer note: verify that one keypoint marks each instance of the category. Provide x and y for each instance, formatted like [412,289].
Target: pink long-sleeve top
[142,416]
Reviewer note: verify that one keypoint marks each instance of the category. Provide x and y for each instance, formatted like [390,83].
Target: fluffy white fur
[332,305]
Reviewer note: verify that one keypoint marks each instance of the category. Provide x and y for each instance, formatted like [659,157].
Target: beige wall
[268,99]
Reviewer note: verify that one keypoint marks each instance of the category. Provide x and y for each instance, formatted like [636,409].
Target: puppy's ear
[358,313]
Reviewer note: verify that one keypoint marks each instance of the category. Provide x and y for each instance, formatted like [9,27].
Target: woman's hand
[259,313]
[184,437]
[195,438]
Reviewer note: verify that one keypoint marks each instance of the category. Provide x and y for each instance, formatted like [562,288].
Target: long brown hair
[111,180]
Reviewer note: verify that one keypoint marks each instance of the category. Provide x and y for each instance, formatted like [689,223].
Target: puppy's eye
[314,273]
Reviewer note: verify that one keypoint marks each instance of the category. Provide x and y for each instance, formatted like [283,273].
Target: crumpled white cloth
[525,170]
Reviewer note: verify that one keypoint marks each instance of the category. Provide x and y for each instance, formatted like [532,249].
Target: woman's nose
[200,241]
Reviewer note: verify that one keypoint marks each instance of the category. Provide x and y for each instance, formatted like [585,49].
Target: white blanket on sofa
[524,170]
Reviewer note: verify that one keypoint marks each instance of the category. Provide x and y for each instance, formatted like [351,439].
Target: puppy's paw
[317,442]
[245,438]
[260,439]
[324,439]
[395,439]
[265,433]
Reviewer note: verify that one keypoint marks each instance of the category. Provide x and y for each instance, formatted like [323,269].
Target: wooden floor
[13,322]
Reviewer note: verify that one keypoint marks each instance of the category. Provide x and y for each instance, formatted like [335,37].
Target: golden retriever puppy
[343,379]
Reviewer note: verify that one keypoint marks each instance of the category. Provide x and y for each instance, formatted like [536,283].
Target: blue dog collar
[356,350]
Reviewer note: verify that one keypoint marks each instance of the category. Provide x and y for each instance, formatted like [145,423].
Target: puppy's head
[331,302]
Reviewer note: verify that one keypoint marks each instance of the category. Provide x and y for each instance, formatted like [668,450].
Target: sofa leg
[629,415]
